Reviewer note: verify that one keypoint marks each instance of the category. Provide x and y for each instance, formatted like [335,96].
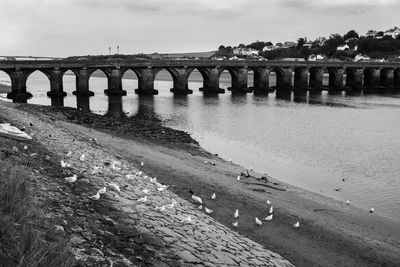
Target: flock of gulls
[160,187]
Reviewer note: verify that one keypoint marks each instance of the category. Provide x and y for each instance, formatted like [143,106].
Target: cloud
[323,4]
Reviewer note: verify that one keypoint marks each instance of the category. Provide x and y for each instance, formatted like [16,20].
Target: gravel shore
[117,227]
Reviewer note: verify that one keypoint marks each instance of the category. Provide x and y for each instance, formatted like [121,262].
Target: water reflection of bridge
[291,76]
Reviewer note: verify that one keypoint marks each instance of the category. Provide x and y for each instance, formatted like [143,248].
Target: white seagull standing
[71,179]
[102,191]
[141,164]
[95,197]
[213,196]
[235,224]
[63,164]
[268,202]
[371,210]
[82,158]
[208,210]
[188,219]
[236,213]
[347,202]
[238,178]
[296,225]
[258,222]
[69,154]
[269,217]
[142,199]
[197,199]
[114,187]
[271,210]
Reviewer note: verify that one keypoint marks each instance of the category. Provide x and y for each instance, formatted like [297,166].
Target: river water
[351,143]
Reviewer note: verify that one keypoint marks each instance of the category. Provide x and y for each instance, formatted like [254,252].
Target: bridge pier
[354,80]
[284,81]
[115,83]
[181,80]
[300,81]
[396,78]
[56,93]
[316,78]
[261,81]
[115,107]
[335,80]
[239,81]
[211,81]
[18,87]
[387,80]
[146,78]
[372,80]
[82,83]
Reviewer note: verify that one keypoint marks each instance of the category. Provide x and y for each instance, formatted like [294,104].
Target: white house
[360,57]
[245,51]
[315,57]
[343,47]
[393,32]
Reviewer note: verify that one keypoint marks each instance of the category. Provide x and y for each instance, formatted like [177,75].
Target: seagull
[258,221]
[140,173]
[95,197]
[153,180]
[114,167]
[197,199]
[71,179]
[161,208]
[271,210]
[142,199]
[63,164]
[268,202]
[371,210]
[141,164]
[236,213]
[25,147]
[238,178]
[213,196]
[269,217]
[348,202]
[162,187]
[235,224]
[208,210]
[82,158]
[200,207]
[69,154]
[95,170]
[296,225]
[15,149]
[186,220]
[146,191]
[172,205]
[130,176]
[102,191]
[114,187]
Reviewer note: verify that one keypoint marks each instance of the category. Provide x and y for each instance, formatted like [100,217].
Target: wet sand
[331,233]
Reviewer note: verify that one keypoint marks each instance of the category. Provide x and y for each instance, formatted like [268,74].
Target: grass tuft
[21,241]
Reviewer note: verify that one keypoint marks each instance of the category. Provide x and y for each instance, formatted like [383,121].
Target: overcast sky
[81,27]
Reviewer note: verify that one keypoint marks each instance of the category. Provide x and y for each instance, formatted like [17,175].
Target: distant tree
[269,43]
[242,46]
[304,52]
[351,34]
[257,45]
[300,42]
[379,34]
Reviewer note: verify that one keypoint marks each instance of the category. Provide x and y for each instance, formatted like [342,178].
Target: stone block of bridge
[19,97]
[113,92]
[316,79]
[336,83]
[179,91]
[57,98]
[261,81]
[115,109]
[354,81]
[372,80]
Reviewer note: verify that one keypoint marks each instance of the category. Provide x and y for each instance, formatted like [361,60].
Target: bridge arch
[38,84]
[5,82]
[164,79]
[98,80]
[129,80]
[195,78]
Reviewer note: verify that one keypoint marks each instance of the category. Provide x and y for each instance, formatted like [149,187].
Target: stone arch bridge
[297,76]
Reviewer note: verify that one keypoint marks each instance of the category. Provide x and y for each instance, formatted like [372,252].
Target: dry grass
[25,237]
